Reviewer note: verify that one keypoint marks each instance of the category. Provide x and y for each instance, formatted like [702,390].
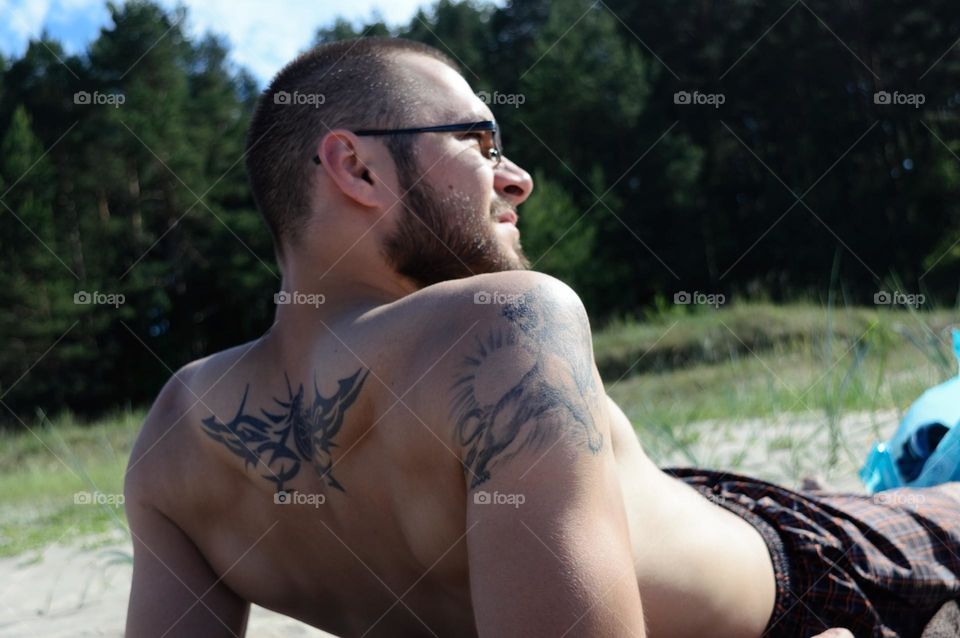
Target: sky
[263,36]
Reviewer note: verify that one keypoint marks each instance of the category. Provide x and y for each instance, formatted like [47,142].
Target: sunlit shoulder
[475,296]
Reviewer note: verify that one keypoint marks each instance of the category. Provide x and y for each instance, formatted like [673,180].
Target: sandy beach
[72,591]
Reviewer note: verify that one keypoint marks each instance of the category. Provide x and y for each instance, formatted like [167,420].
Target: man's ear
[342,157]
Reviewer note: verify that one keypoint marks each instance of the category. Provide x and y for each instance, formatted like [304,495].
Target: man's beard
[438,239]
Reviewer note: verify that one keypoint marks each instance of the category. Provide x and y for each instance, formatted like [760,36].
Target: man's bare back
[389,431]
[422,445]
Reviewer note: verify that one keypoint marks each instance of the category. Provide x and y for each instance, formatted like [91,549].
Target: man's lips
[507,216]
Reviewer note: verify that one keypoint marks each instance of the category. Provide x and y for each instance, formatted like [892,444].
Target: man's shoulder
[460,322]
[165,437]
[173,401]
[446,313]
[156,441]
[474,298]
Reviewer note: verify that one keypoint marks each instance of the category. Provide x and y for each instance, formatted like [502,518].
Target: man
[421,443]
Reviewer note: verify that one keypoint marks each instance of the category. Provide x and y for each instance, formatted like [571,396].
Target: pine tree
[36,289]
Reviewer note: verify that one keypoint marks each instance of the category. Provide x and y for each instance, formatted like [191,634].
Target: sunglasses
[493,151]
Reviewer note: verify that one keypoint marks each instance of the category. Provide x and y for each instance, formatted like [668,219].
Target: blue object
[925,450]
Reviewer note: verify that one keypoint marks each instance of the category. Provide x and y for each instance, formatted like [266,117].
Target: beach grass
[63,479]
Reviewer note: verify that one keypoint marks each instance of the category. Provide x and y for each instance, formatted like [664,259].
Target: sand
[783,449]
[70,591]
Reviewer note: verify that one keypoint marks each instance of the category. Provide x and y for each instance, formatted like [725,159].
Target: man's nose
[512,182]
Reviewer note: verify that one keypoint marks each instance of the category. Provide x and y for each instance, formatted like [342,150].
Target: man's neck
[351,280]
[312,296]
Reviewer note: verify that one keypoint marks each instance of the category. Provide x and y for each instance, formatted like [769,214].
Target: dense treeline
[736,147]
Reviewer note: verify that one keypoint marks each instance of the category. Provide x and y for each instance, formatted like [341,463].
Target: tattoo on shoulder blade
[497,425]
[293,432]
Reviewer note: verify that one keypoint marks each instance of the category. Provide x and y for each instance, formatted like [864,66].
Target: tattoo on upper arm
[495,424]
[293,432]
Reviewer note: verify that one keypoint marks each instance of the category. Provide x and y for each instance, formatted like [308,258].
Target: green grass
[770,382]
[676,337]
[667,371]
[761,360]
[42,470]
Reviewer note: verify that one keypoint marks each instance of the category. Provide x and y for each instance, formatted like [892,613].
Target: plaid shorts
[880,566]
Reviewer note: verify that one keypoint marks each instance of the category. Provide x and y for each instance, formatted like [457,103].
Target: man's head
[433,206]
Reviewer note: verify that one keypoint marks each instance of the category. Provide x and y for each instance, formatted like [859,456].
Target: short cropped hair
[350,84]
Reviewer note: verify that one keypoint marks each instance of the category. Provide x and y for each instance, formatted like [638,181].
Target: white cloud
[261,40]
[24,19]
[73,5]
[264,39]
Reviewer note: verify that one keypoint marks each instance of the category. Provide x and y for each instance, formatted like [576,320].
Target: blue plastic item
[925,450]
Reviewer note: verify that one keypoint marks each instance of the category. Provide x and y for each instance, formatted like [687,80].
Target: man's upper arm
[174,591]
[547,536]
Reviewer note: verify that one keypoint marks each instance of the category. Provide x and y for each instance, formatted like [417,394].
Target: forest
[731,149]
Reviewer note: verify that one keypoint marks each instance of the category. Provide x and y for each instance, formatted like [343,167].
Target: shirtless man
[421,444]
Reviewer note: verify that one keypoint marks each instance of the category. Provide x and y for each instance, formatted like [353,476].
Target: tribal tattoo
[497,425]
[295,432]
